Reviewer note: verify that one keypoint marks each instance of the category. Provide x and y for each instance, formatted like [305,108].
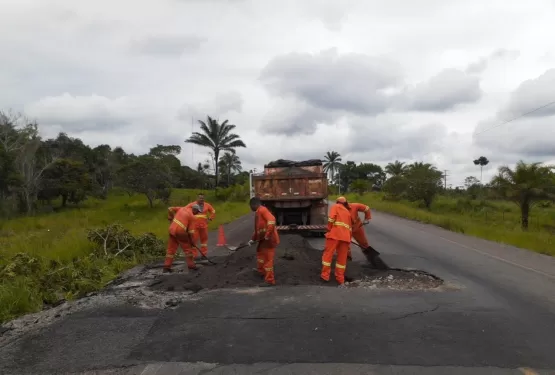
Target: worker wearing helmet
[338,239]
[358,230]
[181,233]
[206,213]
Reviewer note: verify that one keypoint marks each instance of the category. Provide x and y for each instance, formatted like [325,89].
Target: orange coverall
[182,228]
[338,238]
[201,230]
[265,231]
[358,230]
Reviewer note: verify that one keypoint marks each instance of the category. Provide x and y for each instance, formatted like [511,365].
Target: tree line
[34,170]
[527,184]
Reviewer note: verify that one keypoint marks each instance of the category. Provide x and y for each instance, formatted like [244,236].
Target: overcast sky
[373,80]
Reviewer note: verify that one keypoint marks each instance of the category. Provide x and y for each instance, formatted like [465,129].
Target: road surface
[496,315]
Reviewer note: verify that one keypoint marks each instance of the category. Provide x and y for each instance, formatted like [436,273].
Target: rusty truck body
[296,193]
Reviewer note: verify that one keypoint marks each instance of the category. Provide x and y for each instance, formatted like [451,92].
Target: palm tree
[396,169]
[217,137]
[482,161]
[525,185]
[231,163]
[332,161]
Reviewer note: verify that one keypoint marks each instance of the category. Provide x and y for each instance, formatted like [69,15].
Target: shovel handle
[202,255]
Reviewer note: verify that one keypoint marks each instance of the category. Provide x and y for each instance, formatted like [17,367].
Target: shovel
[240,246]
[204,256]
[373,257]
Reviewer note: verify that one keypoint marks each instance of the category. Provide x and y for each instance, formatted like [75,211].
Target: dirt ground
[294,264]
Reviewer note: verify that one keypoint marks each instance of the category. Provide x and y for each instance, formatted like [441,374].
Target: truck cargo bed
[296,193]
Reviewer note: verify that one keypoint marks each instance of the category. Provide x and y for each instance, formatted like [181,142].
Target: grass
[491,220]
[62,237]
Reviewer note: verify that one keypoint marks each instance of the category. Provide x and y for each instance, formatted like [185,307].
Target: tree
[332,162]
[482,161]
[66,178]
[360,186]
[230,163]
[371,172]
[168,155]
[396,187]
[397,168]
[472,185]
[146,175]
[525,185]
[217,137]
[424,182]
[470,181]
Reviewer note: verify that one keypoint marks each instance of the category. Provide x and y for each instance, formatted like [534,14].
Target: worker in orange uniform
[207,213]
[358,230]
[266,234]
[338,238]
[182,231]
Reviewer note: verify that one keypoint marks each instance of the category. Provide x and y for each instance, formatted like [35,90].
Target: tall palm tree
[217,137]
[332,161]
[396,169]
[482,161]
[231,163]
[525,185]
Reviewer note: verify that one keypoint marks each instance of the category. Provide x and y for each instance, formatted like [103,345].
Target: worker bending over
[207,213]
[338,238]
[181,233]
[358,230]
[266,233]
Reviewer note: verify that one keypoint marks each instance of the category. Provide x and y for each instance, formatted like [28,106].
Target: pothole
[294,264]
[396,279]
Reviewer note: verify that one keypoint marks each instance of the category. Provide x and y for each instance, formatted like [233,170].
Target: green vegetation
[495,221]
[73,217]
[514,208]
[49,257]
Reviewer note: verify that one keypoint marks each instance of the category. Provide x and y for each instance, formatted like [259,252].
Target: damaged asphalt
[494,313]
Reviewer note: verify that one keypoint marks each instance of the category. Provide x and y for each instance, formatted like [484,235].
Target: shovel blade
[234,248]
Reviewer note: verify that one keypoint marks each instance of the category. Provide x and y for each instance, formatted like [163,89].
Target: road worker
[266,234]
[181,233]
[338,238]
[207,213]
[358,230]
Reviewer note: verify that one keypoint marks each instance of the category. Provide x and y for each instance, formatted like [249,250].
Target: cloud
[80,113]
[219,105]
[482,64]
[292,117]
[166,45]
[443,92]
[528,135]
[328,80]
[297,78]
[531,94]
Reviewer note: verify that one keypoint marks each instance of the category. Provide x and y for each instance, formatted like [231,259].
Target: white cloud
[374,81]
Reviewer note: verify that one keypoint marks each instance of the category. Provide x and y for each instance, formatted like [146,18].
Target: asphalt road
[496,315]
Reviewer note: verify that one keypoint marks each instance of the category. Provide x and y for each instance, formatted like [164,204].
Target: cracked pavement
[495,314]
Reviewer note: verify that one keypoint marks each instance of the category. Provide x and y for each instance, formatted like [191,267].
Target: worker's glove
[250,243]
[366,222]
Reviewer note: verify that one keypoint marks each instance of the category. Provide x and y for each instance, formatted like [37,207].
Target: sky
[430,80]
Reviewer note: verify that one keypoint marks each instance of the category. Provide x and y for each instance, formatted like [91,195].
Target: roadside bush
[48,281]
[114,240]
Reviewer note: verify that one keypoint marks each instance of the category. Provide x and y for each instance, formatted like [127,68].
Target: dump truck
[296,193]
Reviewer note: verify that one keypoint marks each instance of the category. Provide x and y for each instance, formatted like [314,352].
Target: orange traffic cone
[221,237]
